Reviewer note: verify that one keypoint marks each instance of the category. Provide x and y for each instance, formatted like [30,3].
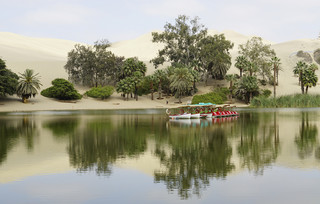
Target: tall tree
[28,85]
[275,62]
[133,71]
[92,65]
[160,76]
[180,42]
[257,53]
[214,55]
[8,80]
[231,78]
[181,82]
[309,78]
[241,63]
[298,70]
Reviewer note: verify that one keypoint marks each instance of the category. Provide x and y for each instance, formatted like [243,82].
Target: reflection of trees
[259,143]
[11,131]
[100,143]
[307,138]
[62,127]
[193,158]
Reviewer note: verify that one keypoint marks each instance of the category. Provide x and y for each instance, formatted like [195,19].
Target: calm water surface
[263,156]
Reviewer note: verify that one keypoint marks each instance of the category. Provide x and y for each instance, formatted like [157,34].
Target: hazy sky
[90,20]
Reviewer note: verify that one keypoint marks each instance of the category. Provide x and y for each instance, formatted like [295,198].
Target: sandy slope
[48,56]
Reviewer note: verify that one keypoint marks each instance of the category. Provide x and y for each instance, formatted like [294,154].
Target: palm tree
[181,81]
[231,78]
[275,61]
[298,70]
[251,67]
[241,63]
[309,78]
[28,84]
[160,75]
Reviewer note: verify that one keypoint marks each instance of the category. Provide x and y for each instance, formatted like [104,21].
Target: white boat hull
[181,116]
[197,115]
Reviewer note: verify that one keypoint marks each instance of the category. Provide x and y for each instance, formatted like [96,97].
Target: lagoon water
[139,156]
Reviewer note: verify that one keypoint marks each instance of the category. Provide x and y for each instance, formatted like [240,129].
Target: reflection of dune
[47,157]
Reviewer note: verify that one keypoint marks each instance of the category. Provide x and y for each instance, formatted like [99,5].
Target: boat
[201,110]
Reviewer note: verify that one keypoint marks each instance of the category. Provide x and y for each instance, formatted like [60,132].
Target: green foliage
[28,84]
[246,88]
[62,90]
[214,55]
[93,65]
[258,54]
[241,63]
[8,80]
[100,92]
[288,101]
[218,96]
[181,82]
[133,73]
[266,93]
[306,75]
[180,42]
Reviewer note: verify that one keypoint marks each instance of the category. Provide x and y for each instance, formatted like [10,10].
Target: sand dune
[48,56]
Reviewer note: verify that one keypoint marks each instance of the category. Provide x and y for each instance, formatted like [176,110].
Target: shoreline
[115,102]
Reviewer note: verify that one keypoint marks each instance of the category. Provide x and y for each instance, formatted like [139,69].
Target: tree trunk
[250,98]
[180,99]
[152,90]
[274,81]
[301,84]
[307,89]
[159,91]
[240,72]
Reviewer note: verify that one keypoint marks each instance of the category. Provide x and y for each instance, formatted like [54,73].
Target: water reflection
[192,153]
[259,140]
[11,131]
[306,139]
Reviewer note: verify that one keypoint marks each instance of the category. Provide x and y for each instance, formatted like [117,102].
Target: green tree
[92,65]
[180,42]
[28,85]
[100,92]
[61,89]
[247,87]
[181,82]
[8,80]
[231,78]
[251,68]
[160,76]
[309,78]
[133,72]
[125,86]
[241,63]
[214,55]
[275,62]
[259,54]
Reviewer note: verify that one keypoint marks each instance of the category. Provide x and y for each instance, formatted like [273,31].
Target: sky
[90,20]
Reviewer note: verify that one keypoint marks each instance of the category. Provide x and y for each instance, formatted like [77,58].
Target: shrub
[218,96]
[62,90]
[100,92]
[266,93]
[289,101]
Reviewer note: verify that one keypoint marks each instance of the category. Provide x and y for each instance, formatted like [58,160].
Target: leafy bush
[218,96]
[100,92]
[266,93]
[62,90]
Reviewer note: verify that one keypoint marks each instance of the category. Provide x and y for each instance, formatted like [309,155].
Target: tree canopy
[93,65]
[28,85]
[8,80]
[61,89]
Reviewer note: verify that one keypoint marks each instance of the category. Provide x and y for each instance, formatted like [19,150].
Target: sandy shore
[115,102]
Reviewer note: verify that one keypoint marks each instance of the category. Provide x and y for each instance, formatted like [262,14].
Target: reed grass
[288,101]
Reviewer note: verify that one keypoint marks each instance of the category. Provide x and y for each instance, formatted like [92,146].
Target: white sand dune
[48,57]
